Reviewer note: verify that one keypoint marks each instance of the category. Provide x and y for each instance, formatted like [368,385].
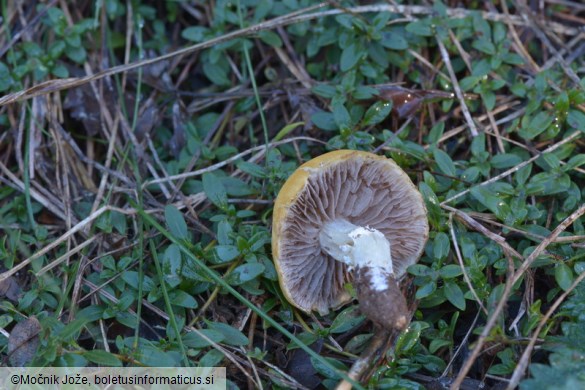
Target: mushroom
[348,216]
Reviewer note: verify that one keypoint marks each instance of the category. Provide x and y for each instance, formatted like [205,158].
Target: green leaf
[552,160]
[394,41]
[131,277]
[419,270]
[324,90]
[408,340]
[202,338]
[227,252]
[484,45]
[307,338]
[340,114]
[244,273]
[326,370]
[512,59]
[195,33]
[261,10]
[431,201]
[270,38]
[251,169]
[214,189]
[286,129]
[469,82]
[102,358]
[505,160]
[478,145]
[126,319]
[579,267]
[563,276]
[420,27]
[426,290]
[436,132]
[347,319]
[441,246]
[445,163]
[574,162]
[176,222]
[489,99]
[454,294]
[77,54]
[344,20]
[546,183]
[118,221]
[562,103]
[231,335]
[216,74]
[576,119]
[58,70]
[522,175]
[90,313]
[471,174]
[71,330]
[212,358]
[377,113]
[171,264]
[538,124]
[5,77]
[495,204]
[182,299]
[151,355]
[324,120]
[437,344]
[450,271]
[349,57]
[363,92]
[224,230]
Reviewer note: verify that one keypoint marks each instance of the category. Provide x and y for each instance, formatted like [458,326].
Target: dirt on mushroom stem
[386,308]
[367,252]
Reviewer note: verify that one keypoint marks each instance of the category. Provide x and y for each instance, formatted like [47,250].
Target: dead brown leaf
[24,342]
[10,289]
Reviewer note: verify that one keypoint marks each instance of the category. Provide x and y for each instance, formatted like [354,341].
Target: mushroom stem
[386,308]
[367,251]
[382,340]
[358,247]
[370,356]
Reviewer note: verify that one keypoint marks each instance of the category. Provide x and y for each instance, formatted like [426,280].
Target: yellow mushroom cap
[360,187]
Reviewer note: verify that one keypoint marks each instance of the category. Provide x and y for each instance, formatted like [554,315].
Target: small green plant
[566,366]
[144,237]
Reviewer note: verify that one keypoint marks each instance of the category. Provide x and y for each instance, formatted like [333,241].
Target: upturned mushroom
[348,216]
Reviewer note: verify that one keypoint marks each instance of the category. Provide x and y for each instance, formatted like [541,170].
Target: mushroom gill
[363,191]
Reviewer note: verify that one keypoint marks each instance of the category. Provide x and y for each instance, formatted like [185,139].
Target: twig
[62,84]
[515,168]
[392,136]
[533,23]
[371,353]
[504,107]
[55,209]
[501,241]
[65,256]
[518,43]
[509,283]
[523,362]
[447,61]
[64,237]
[461,345]
[26,28]
[295,17]
[460,260]
[230,160]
